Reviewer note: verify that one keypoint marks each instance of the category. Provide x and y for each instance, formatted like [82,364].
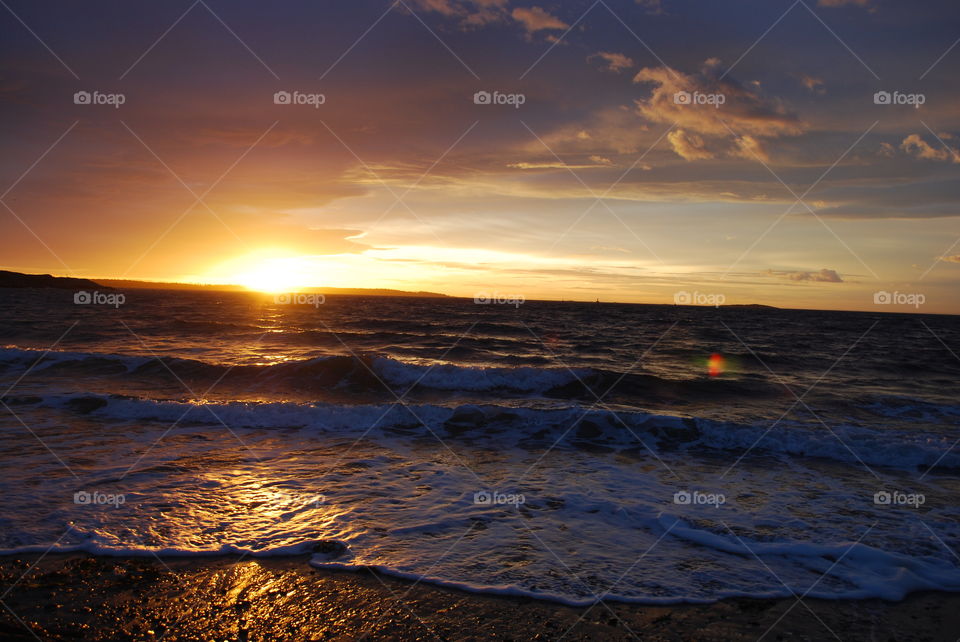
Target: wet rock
[330,549]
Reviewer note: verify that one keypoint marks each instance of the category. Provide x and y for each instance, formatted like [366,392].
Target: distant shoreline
[151,285]
[20,280]
[10,279]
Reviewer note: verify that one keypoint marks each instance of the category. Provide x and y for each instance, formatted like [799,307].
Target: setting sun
[276,274]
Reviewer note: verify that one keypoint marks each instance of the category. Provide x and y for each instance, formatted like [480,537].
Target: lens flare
[715,365]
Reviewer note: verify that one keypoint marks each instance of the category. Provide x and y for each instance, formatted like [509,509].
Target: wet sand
[78,597]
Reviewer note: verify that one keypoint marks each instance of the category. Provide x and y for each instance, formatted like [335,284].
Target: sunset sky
[797,191]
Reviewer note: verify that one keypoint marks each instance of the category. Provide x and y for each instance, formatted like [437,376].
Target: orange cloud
[471,13]
[613,62]
[729,117]
[750,148]
[812,83]
[919,148]
[536,19]
[688,146]
[742,109]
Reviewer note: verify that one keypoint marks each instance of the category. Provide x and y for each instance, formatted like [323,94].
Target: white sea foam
[396,488]
[510,424]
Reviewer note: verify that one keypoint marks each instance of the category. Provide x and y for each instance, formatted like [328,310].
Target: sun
[277,274]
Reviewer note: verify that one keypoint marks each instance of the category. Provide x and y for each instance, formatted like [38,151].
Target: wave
[372,373]
[846,569]
[531,427]
[855,571]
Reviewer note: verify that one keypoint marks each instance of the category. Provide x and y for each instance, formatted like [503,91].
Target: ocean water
[568,451]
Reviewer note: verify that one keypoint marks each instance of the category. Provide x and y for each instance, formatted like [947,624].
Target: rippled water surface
[566,450]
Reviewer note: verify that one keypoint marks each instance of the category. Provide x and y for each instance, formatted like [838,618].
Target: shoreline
[69,596]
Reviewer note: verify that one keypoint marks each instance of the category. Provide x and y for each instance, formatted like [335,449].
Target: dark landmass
[157,285]
[75,596]
[750,305]
[19,280]
[128,284]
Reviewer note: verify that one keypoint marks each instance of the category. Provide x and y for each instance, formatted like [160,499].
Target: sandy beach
[73,597]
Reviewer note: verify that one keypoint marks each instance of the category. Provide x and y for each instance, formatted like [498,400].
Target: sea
[566,451]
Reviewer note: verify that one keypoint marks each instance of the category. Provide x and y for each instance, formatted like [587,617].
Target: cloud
[843,3]
[812,83]
[595,161]
[750,148]
[919,148]
[243,137]
[734,120]
[653,7]
[446,7]
[823,276]
[951,259]
[688,146]
[919,191]
[470,13]
[744,109]
[536,19]
[614,62]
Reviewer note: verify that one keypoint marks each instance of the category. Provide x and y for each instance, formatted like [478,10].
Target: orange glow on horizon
[271,272]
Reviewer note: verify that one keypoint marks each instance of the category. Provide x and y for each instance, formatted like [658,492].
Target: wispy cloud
[843,3]
[821,276]
[612,62]
[536,19]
